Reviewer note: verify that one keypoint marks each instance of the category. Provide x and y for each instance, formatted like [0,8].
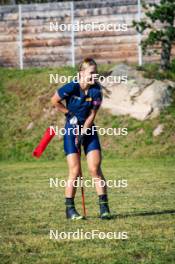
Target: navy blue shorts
[91,141]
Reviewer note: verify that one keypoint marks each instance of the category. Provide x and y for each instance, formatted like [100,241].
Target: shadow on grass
[114,216]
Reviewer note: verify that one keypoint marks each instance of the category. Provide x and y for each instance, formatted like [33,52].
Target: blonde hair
[87,62]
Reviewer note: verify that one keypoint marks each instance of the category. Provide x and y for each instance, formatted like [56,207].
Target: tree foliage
[159,20]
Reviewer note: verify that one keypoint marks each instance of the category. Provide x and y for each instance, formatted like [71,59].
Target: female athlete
[83,99]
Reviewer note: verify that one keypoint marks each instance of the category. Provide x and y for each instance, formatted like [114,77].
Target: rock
[53,112]
[140,97]
[141,131]
[135,91]
[50,112]
[46,113]
[140,111]
[30,126]
[158,130]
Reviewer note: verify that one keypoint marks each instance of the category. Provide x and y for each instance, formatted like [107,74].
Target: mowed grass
[29,209]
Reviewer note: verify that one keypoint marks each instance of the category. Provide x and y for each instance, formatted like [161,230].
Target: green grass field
[30,209]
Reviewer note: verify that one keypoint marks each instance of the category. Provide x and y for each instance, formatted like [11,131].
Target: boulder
[139,97]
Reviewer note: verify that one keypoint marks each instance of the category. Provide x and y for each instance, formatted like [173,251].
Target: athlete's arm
[97,100]
[56,102]
[90,119]
[62,93]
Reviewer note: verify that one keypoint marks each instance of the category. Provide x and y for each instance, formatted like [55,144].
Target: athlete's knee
[74,172]
[94,171]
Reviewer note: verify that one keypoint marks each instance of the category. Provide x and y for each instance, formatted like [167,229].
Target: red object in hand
[48,135]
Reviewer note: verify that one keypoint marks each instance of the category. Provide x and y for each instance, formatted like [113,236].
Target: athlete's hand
[71,117]
[81,139]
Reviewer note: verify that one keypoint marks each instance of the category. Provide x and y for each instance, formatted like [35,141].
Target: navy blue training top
[79,103]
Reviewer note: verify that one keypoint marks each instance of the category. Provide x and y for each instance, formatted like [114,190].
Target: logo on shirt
[88,99]
[76,97]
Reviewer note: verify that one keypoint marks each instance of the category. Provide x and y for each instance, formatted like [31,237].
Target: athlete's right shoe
[104,207]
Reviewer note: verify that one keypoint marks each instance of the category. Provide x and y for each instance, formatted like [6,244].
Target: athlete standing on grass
[83,99]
